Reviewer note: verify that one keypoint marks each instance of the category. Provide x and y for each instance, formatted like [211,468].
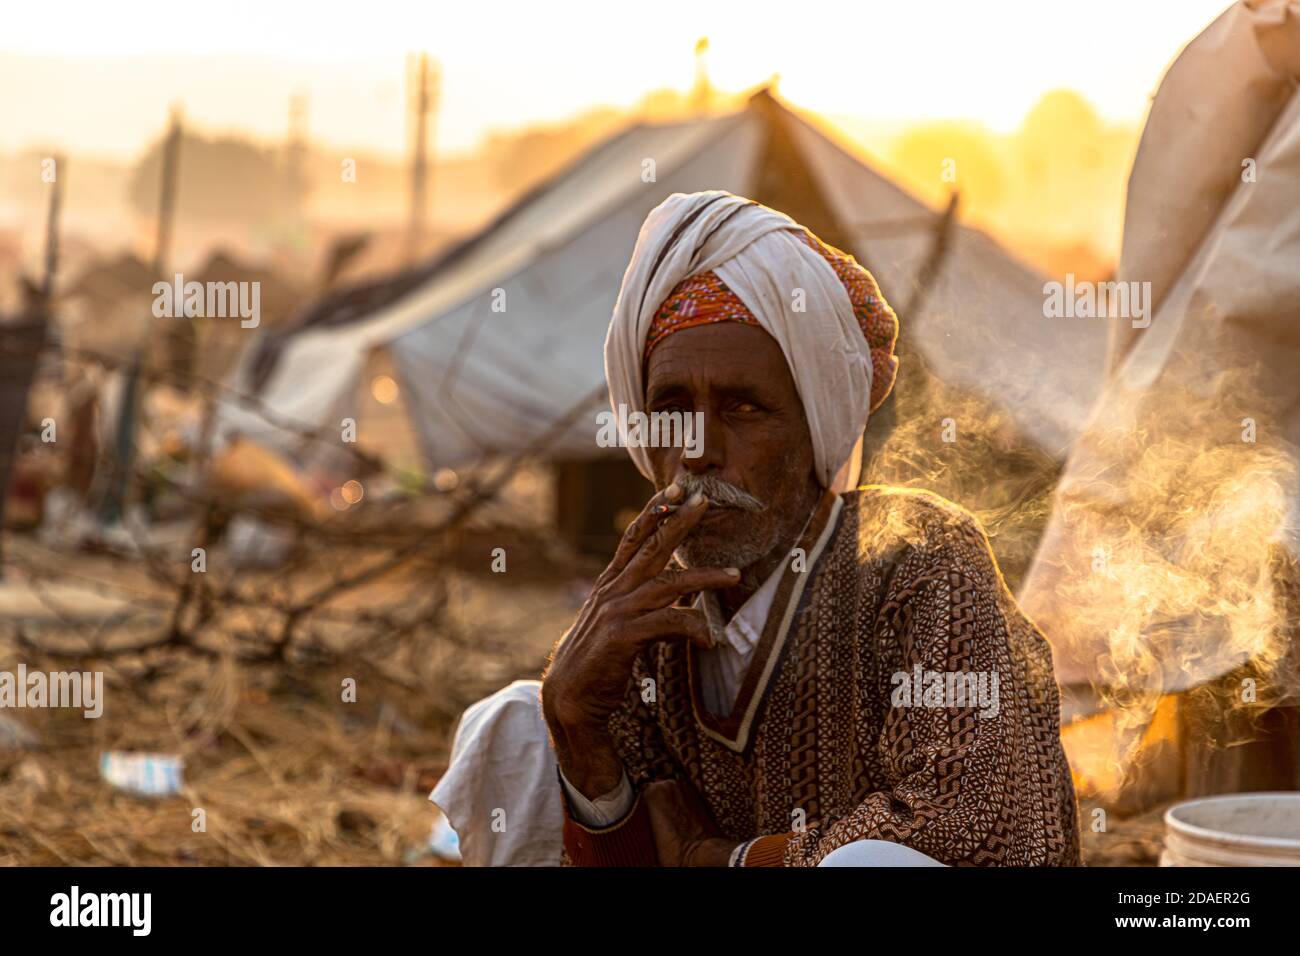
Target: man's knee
[877,853]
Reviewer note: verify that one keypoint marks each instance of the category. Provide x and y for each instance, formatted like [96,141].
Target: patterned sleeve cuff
[761,851]
[738,854]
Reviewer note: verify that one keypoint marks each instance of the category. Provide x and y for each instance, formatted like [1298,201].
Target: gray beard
[741,552]
[755,550]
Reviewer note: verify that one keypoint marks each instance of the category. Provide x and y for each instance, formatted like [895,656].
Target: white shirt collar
[745,628]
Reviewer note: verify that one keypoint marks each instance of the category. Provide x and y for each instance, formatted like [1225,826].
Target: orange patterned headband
[705,298]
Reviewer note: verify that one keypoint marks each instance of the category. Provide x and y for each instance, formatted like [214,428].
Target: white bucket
[1240,829]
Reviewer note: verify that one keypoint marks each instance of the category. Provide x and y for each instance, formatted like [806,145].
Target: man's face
[755,439]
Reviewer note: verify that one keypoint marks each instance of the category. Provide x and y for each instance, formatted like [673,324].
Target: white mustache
[720,493]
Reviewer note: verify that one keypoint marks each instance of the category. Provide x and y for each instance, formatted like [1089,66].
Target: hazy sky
[90,76]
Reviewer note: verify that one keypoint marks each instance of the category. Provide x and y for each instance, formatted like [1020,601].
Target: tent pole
[178,340]
[426,97]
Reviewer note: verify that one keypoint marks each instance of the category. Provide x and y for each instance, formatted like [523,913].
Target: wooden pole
[178,338]
[929,271]
[52,229]
[167,192]
[425,96]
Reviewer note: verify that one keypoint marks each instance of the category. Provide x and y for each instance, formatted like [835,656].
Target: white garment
[757,252]
[877,853]
[499,791]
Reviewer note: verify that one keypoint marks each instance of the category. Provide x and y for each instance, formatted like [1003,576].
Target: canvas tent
[477,380]
[1169,560]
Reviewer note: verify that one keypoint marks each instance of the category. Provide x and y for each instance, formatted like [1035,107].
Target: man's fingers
[673,583]
[681,622]
[658,548]
[642,527]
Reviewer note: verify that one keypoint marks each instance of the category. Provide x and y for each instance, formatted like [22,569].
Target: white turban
[760,256]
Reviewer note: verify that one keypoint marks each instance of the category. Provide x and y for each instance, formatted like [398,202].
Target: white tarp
[1155,573]
[477,380]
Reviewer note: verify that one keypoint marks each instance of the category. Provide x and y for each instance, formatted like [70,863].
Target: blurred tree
[1062,125]
[935,159]
[1072,167]
[221,178]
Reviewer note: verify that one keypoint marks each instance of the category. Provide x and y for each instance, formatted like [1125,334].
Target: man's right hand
[629,607]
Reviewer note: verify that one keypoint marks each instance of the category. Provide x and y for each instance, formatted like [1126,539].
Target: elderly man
[778,668]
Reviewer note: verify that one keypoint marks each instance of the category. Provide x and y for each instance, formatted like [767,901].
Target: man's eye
[747,407]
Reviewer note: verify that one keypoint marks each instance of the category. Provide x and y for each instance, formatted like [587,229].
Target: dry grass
[286,772]
[284,775]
